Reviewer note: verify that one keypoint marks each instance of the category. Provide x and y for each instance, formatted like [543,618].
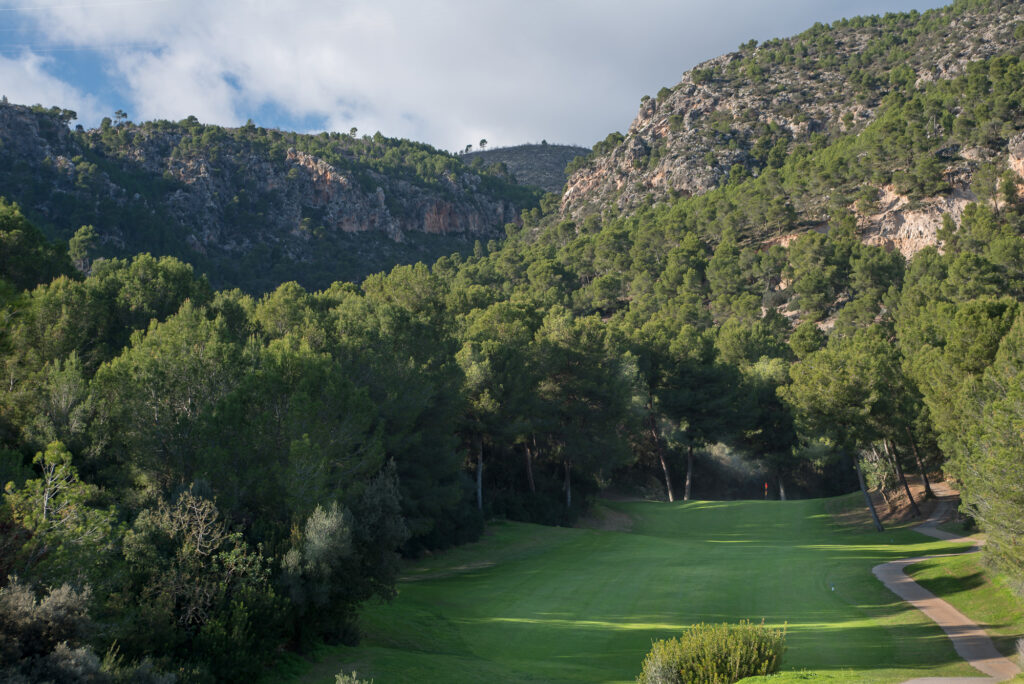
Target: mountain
[541,166]
[748,112]
[251,207]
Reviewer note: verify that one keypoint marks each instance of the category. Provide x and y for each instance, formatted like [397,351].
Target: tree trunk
[885,497]
[867,497]
[881,485]
[568,486]
[903,478]
[689,473]
[782,490]
[920,465]
[478,446]
[661,456]
[529,468]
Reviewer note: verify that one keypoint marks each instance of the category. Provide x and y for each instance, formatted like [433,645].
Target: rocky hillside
[750,110]
[541,166]
[251,207]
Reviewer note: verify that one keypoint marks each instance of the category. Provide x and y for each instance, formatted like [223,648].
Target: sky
[445,72]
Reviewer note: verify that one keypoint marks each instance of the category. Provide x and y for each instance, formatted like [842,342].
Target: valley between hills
[339,407]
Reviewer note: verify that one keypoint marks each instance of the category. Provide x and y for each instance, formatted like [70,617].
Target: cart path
[969,639]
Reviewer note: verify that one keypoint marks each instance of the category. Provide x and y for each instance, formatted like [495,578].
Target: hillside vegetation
[219,476]
[541,166]
[755,106]
[251,207]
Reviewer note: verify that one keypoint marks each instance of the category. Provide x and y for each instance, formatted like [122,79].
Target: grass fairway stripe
[539,604]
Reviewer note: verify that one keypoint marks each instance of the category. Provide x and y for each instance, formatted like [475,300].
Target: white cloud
[176,84]
[25,80]
[445,71]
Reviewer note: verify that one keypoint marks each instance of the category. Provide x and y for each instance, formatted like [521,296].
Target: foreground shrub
[714,654]
[44,639]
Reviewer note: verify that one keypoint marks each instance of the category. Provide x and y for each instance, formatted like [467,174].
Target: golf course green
[540,604]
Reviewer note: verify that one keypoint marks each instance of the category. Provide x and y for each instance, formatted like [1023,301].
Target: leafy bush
[342,678]
[714,654]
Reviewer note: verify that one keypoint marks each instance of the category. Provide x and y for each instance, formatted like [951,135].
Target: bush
[714,654]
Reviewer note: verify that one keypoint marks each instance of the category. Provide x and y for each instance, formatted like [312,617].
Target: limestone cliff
[240,203]
[755,106]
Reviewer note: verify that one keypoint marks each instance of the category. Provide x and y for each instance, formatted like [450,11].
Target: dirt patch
[606,520]
[898,509]
[853,514]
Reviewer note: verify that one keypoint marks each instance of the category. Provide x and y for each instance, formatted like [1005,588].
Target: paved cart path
[970,640]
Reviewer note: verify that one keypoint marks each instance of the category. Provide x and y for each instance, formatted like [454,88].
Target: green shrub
[714,654]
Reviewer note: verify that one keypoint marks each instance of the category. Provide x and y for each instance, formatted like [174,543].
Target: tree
[650,345]
[843,393]
[483,143]
[990,468]
[399,334]
[80,247]
[498,378]
[584,393]
[698,396]
[59,406]
[769,432]
[197,595]
[154,397]
[338,559]
[45,639]
[27,258]
[65,536]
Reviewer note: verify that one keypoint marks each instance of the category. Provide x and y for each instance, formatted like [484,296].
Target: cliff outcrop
[753,107]
[321,208]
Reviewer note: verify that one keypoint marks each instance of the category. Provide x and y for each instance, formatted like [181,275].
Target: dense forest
[199,478]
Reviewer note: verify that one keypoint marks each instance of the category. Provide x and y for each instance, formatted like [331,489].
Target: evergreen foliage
[224,475]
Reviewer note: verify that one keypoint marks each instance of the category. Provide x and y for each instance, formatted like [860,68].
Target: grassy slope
[975,590]
[535,604]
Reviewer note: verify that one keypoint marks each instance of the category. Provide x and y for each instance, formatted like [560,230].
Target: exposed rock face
[899,224]
[225,192]
[911,230]
[1015,157]
[686,140]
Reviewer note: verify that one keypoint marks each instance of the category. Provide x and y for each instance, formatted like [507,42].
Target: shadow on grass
[588,607]
[954,584]
[812,641]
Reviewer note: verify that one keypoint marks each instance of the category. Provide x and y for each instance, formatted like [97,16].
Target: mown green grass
[539,604]
[976,591]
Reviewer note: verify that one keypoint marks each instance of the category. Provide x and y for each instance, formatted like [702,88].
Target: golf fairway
[539,604]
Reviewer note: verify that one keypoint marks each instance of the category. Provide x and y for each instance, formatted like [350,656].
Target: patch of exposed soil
[897,510]
[606,520]
[447,572]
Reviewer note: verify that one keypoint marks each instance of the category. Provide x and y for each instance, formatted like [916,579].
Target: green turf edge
[978,592]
